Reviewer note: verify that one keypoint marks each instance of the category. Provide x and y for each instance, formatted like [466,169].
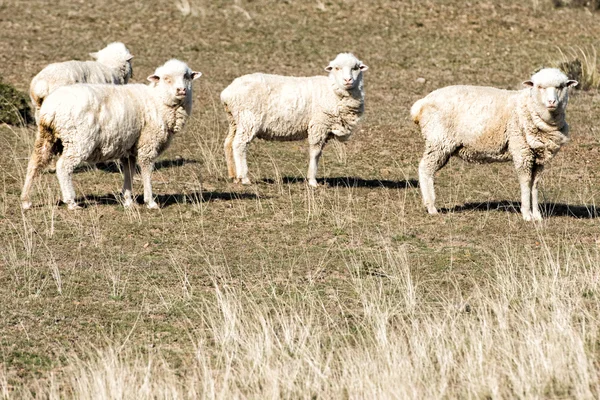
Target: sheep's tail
[38,92]
[48,137]
[415,110]
[47,143]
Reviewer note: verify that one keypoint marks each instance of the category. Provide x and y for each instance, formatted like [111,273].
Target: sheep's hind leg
[128,165]
[41,156]
[240,146]
[229,150]
[433,160]
[64,172]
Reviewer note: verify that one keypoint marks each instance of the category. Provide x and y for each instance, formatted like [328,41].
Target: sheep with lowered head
[282,108]
[484,124]
[112,65]
[96,123]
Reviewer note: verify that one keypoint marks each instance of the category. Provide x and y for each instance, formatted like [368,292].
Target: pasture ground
[276,290]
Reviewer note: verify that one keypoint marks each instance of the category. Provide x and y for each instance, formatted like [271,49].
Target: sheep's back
[275,107]
[471,115]
[107,118]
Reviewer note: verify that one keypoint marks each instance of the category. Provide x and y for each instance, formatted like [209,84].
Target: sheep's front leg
[314,152]
[146,168]
[64,172]
[128,165]
[536,215]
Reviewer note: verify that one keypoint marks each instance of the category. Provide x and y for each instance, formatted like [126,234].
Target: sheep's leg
[64,172]
[240,145]
[128,165]
[433,160]
[146,168]
[41,156]
[314,151]
[229,150]
[535,209]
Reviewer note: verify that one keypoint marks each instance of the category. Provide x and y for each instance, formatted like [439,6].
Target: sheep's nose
[181,90]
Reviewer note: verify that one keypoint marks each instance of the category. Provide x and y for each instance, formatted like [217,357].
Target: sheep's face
[116,55]
[550,89]
[346,70]
[174,82]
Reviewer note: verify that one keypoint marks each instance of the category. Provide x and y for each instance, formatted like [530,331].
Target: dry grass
[279,291]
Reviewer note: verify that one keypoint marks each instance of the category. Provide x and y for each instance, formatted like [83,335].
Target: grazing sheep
[112,65]
[274,107]
[96,123]
[484,124]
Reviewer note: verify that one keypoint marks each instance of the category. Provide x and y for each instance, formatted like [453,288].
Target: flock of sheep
[87,112]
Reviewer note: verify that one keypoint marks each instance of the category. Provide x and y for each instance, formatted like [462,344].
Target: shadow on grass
[352,181]
[166,200]
[112,167]
[547,209]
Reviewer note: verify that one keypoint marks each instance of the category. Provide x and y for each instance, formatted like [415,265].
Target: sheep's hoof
[243,181]
[313,183]
[432,211]
[527,217]
[25,205]
[152,206]
[73,206]
[128,203]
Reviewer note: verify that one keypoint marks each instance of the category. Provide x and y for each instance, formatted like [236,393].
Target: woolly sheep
[96,123]
[484,124]
[112,65]
[274,107]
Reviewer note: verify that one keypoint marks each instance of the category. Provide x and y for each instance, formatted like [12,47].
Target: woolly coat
[105,122]
[484,124]
[71,72]
[283,108]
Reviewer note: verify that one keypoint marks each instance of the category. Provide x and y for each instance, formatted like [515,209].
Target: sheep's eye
[337,68]
[355,68]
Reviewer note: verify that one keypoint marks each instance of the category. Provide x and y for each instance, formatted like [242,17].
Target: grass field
[276,290]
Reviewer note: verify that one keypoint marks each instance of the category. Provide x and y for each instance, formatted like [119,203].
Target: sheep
[484,124]
[97,123]
[112,65]
[283,108]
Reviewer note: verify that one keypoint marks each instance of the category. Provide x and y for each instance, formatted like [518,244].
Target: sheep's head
[117,56]
[346,70]
[550,89]
[173,80]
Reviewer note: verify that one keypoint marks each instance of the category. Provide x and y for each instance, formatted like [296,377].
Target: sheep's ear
[129,57]
[528,83]
[328,68]
[363,67]
[154,78]
[572,82]
[94,55]
[196,75]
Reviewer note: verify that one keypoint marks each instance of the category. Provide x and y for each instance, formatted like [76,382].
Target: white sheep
[112,65]
[96,123]
[282,108]
[484,124]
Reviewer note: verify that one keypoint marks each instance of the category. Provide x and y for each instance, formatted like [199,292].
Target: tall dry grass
[527,330]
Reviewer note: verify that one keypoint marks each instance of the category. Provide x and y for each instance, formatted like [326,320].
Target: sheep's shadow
[166,200]
[547,209]
[113,167]
[351,181]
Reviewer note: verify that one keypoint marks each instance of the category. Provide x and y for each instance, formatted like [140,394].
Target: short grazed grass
[276,290]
